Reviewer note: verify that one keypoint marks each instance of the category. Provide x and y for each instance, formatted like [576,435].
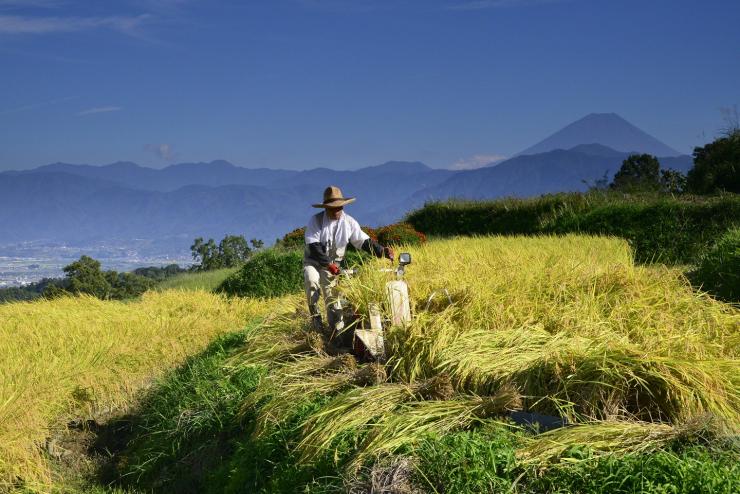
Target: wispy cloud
[476,161]
[162,4]
[99,109]
[491,4]
[29,3]
[363,6]
[148,4]
[40,104]
[163,151]
[16,24]
[355,6]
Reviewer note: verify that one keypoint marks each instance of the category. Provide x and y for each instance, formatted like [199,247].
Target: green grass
[485,461]
[190,435]
[269,273]
[694,470]
[206,280]
[659,228]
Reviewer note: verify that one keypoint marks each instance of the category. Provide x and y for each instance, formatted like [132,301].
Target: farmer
[327,236]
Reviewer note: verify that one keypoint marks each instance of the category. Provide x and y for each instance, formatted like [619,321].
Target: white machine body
[398,300]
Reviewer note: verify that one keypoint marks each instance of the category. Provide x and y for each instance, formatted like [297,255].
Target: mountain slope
[607,129]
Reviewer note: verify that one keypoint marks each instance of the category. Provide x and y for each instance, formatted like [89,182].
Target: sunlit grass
[199,280]
[72,355]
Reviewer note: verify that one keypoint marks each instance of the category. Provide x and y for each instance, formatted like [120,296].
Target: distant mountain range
[78,203]
[124,201]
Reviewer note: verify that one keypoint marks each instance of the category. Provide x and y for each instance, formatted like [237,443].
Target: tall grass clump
[270,273]
[565,326]
[76,355]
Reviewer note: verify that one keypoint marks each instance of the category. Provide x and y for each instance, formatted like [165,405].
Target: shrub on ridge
[719,271]
[270,273]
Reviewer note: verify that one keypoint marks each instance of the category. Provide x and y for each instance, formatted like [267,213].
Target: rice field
[73,356]
[566,326]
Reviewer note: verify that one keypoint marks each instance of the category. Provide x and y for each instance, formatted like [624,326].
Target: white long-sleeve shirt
[334,235]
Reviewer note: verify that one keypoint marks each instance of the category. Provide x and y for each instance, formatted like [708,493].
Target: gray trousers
[320,281]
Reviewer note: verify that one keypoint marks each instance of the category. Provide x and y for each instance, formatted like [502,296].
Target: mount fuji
[607,129]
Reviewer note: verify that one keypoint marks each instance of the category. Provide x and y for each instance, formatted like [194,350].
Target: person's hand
[333,268]
[388,252]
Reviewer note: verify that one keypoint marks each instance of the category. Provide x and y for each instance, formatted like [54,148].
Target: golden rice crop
[72,354]
[569,322]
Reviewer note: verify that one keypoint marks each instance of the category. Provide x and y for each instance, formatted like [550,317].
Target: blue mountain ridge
[122,201]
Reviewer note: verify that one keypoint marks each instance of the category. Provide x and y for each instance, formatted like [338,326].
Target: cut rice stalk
[600,438]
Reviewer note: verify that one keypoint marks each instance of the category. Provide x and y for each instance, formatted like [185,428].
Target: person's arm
[372,247]
[356,236]
[317,252]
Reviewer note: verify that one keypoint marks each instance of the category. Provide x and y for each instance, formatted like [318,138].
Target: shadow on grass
[187,434]
[180,428]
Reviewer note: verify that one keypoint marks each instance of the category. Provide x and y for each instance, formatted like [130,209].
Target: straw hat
[333,198]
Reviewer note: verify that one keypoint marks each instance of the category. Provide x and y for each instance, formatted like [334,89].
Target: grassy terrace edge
[659,228]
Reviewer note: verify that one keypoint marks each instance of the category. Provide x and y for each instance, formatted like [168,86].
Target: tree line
[230,252]
[716,169]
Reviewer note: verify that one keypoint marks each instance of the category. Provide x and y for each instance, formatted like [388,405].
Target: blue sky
[345,84]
